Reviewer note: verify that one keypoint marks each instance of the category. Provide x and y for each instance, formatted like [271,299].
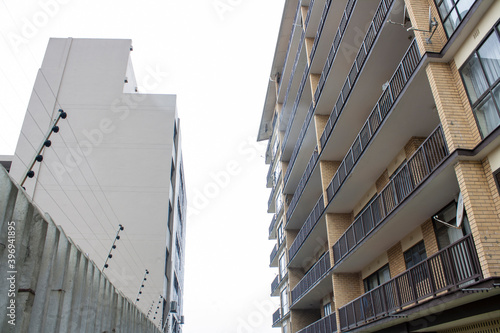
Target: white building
[116,160]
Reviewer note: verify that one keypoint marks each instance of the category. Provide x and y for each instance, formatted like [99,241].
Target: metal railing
[374,29]
[276,316]
[272,225]
[399,79]
[314,275]
[274,252]
[411,174]
[326,324]
[275,284]
[294,26]
[302,183]
[322,80]
[446,271]
[306,229]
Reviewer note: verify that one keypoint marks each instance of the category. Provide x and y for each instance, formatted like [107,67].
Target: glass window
[446,235]
[452,12]
[284,302]
[281,234]
[376,279]
[481,74]
[282,264]
[415,254]
[285,328]
[327,309]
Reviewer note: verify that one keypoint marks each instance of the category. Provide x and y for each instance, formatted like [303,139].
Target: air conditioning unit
[173,306]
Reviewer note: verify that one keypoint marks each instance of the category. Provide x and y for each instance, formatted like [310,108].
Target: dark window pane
[489,53]
[463,7]
[487,116]
[451,23]
[474,79]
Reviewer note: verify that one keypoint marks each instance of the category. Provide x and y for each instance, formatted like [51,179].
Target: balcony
[306,229]
[276,317]
[315,274]
[326,64]
[274,252]
[326,324]
[272,228]
[445,272]
[275,284]
[413,173]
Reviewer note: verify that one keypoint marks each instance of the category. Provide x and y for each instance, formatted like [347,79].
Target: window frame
[377,274]
[489,90]
[412,249]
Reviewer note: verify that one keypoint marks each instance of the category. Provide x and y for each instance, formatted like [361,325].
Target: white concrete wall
[108,165]
[52,286]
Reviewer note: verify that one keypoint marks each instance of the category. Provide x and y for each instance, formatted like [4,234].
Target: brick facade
[396,260]
[457,127]
[482,215]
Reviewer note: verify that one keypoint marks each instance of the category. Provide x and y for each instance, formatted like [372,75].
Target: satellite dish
[460,210]
[459,217]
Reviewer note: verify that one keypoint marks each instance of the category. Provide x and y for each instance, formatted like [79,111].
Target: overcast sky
[215,55]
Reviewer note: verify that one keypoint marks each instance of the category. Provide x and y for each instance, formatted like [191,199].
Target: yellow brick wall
[336,225]
[458,129]
[319,125]
[314,79]
[327,170]
[412,146]
[430,242]
[482,214]
[396,260]
[418,12]
[382,181]
[346,287]
[303,318]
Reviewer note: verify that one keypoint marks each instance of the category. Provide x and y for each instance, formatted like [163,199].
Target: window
[285,328]
[376,279]
[284,302]
[452,12]
[480,74]
[446,235]
[496,175]
[327,309]
[415,254]
[281,234]
[282,263]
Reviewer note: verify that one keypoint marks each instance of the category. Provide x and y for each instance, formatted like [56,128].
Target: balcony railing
[276,316]
[298,144]
[275,284]
[302,183]
[314,275]
[306,229]
[374,29]
[324,74]
[274,252]
[272,225]
[418,167]
[399,79]
[308,17]
[294,26]
[273,191]
[326,324]
[446,271]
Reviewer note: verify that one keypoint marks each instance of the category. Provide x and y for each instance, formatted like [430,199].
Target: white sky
[216,56]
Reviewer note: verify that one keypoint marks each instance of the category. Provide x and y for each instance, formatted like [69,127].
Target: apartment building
[112,174]
[384,158]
